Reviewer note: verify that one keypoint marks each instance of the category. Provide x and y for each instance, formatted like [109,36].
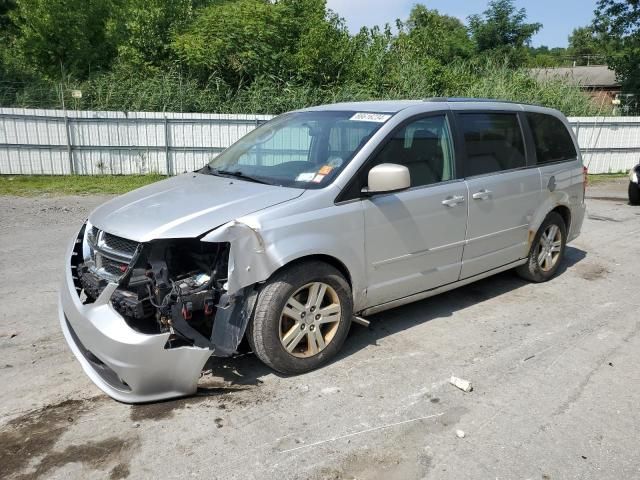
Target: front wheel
[302,318]
[547,250]
[634,193]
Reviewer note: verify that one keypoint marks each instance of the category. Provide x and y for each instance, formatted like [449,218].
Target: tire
[634,193]
[533,271]
[271,328]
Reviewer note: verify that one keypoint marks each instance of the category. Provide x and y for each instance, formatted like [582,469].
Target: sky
[558,17]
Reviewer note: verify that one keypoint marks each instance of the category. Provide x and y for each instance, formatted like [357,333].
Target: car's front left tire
[302,317]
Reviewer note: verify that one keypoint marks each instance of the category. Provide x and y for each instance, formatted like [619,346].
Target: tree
[545,57]
[242,40]
[370,57]
[619,22]
[144,29]
[502,31]
[424,45]
[64,36]
[7,29]
[434,35]
[317,39]
[322,52]
[586,47]
[6,6]
[233,40]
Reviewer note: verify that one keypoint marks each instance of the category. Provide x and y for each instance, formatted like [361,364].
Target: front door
[503,192]
[414,239]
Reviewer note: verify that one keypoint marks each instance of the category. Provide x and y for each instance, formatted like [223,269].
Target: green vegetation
[618,23]
[264,56]
[595,179]
[31,185]
[502,31]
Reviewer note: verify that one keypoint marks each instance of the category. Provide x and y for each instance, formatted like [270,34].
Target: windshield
[303,149]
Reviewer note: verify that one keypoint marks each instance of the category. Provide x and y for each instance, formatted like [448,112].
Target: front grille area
[114,267]
[111,256]
[120,244]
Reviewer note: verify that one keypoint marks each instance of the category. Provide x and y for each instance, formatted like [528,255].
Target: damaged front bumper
[135,367]
[128,366]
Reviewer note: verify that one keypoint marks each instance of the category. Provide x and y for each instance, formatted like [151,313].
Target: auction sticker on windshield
[306,177]
[370,117]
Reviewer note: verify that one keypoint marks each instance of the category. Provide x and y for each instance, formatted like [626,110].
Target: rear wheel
[634,193]
[547,250]
[302,318]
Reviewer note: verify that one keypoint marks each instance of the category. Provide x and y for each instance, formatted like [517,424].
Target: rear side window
[493,142]
[553,141]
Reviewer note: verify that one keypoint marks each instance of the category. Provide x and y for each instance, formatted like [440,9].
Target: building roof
[595,76]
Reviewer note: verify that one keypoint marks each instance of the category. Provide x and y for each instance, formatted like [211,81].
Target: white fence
[608,144]
[88,143]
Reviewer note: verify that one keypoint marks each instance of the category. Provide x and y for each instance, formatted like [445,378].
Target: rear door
[503,191]
[414,238]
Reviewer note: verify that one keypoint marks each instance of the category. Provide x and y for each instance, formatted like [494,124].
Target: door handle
[452,201]
[482,195]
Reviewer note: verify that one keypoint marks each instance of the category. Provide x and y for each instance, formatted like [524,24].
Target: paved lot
[554,368]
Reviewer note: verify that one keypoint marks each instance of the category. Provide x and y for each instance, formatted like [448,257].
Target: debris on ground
[460,433]
[464,385]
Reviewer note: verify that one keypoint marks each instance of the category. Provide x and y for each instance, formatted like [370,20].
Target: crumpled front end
[143,319]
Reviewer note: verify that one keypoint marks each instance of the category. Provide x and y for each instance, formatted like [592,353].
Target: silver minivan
[317,218]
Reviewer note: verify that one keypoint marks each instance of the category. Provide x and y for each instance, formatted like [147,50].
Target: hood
[185,206]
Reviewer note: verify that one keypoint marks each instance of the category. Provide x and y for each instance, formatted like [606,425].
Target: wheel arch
[559,204]
[565,213]
[321,257]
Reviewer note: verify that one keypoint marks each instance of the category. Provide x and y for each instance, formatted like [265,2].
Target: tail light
[585,180]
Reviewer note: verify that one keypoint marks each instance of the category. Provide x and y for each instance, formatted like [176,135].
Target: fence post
[167,155]
[259,147]
[67,128]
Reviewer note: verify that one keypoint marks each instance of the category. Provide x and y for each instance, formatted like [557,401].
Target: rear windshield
[301,149]
[553,141]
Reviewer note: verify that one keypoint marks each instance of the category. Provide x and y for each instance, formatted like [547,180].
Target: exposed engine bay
[170,285]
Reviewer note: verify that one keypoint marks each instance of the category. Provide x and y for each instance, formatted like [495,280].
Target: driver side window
[425,147]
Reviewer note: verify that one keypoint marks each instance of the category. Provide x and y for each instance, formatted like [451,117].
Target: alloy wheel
[310,319]
[549,248]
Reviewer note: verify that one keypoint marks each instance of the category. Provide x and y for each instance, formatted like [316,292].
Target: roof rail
[476,100]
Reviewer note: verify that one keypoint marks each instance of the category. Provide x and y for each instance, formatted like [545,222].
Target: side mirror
[388,177]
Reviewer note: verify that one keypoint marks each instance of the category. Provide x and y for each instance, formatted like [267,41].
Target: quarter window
[424,147]
[553,141]
[493,142]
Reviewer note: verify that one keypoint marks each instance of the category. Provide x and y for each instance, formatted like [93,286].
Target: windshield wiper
[235,174]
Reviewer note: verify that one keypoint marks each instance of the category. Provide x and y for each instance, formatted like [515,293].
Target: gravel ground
[554,369]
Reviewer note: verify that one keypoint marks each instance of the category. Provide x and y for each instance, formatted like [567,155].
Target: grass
[606,177]
[32,185]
